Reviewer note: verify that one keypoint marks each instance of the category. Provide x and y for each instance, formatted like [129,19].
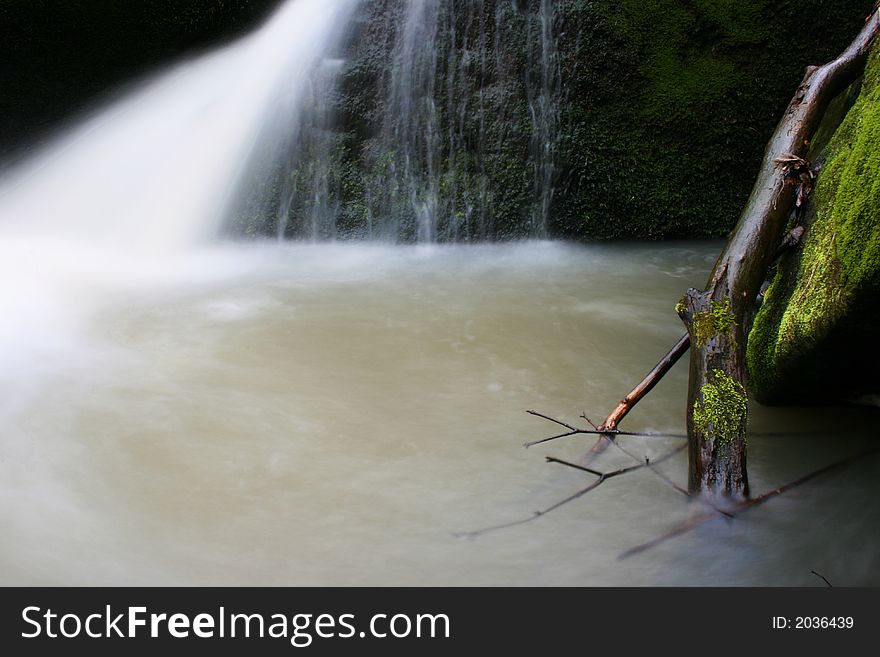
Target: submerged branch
[663,477]
[553,419]
[653,468]
[746,504]
[823,578]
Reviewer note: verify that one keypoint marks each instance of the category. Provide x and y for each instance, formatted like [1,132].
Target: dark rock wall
[639,119]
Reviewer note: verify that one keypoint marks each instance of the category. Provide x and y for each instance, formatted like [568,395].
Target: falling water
[544,111]
[159,167]
[306,170]
[414,123]
[463,113]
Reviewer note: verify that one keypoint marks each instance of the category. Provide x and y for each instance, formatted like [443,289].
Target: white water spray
[157,168]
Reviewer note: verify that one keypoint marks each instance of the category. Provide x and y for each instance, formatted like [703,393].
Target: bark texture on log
[718,318]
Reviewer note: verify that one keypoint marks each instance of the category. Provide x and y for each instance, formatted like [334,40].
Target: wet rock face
[492,119]
[813,338]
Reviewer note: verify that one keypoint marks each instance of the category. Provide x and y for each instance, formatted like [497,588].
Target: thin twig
[553,419]
[547,440]
[823,578]
[663,477]
[574,431]
[550,459]
[652,467]
[635,434]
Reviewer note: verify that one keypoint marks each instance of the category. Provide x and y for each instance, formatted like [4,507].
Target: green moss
[669,144]
[741,22]
[716,321]
[721,412]
[681,79]
[681,307]
[849,191]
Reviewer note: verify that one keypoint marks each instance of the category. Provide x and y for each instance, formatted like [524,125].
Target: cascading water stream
[159,167]
[544,110]
[414,126]
[466,145]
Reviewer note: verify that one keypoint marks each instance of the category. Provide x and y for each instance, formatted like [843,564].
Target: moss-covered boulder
[815,336]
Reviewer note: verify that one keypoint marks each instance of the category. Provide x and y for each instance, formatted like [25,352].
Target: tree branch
[608,429]
[746,504]
[575,431]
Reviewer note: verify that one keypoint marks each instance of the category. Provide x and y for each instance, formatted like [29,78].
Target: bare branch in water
[553,419]
[574,431]
[602,478]
[745,504]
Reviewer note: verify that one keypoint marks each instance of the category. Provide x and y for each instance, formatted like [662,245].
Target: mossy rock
[812,339]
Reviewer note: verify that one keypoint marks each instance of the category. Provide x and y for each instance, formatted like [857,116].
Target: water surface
[337,414]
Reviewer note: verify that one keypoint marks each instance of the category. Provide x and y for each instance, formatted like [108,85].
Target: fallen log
[744,505]
[608,430]
[718,318]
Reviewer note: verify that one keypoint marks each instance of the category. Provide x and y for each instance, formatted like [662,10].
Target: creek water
[338,414]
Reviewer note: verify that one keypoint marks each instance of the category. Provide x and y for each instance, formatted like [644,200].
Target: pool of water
[344,414]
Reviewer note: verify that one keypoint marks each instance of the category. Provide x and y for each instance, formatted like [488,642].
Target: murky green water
[337,414]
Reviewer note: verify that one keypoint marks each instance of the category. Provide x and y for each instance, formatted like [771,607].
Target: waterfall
[458,105]
[160,167]
[413,125]
[438,121]
[544,112]
[304,166]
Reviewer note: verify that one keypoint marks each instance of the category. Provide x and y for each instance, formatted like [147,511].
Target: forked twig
[574,431]
[602,478]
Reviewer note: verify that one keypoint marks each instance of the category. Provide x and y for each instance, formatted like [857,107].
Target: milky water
[338,414]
